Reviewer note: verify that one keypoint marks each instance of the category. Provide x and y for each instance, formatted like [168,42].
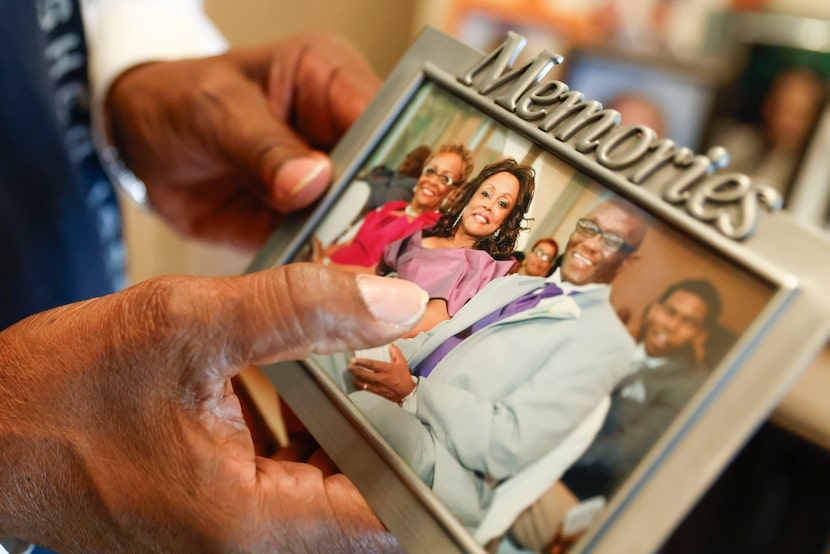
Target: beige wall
[382,30]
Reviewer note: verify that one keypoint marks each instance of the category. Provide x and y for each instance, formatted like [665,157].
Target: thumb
[288,174]
[395,354]
[292,311]
[316,85]
[222,325]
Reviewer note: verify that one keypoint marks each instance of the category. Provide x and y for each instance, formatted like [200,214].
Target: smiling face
[430,190]
[539,260]
[674,324]
[588,259]
[490,205]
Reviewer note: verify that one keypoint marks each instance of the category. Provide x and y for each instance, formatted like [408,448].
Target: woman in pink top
[471,244]
[449,166]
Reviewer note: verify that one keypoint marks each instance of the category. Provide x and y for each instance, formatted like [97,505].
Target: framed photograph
[768,113]
[593,403]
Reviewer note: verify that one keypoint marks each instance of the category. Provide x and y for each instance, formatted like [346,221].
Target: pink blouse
[453,274]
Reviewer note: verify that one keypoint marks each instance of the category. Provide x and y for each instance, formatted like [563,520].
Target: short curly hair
[550,241]
[462,152]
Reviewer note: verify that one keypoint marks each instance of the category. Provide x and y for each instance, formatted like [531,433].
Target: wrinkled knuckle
[302,278]
[210,85]
[307,286]
[160,304]
[216,95]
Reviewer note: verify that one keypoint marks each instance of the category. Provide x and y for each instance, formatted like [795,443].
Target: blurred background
[750,75]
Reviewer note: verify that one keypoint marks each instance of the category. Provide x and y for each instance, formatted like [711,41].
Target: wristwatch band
[122,178]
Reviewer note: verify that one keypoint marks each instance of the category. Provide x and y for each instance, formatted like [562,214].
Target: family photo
[565,331]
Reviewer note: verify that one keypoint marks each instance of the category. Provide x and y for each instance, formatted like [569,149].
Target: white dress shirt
[124,33]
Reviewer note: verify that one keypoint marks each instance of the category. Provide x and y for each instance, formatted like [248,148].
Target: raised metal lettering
[639,139]
[729,201]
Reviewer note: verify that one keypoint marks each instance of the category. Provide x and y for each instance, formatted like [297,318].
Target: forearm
[117,35]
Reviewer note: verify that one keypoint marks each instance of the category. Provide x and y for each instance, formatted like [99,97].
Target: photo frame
[768,111]
[701,217]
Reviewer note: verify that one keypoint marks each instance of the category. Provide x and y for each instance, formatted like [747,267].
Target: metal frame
[752,378]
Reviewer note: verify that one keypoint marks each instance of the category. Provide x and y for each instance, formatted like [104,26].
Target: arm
[391,380]
[119,429]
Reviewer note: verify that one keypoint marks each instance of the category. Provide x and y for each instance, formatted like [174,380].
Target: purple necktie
[522,303]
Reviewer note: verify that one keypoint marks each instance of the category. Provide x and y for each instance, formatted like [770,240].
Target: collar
[645,361]
[569,288]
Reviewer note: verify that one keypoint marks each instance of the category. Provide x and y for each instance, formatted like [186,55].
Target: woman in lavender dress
[470,245]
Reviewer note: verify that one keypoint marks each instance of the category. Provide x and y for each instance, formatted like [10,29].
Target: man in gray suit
[473,401]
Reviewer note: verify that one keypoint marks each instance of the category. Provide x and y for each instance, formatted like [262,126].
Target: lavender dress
[453,274]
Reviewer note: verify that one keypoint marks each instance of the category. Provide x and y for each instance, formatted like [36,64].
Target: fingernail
[302,172]
[394,301]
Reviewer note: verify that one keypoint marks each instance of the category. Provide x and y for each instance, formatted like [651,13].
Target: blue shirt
[60,230]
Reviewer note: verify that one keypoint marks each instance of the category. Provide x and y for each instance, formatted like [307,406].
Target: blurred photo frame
[703,224]
[769,110]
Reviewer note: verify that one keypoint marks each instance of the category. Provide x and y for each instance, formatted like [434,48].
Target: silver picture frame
[693,196]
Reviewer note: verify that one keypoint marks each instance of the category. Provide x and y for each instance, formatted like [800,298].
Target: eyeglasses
[542,254]
[611,242]
[443,178]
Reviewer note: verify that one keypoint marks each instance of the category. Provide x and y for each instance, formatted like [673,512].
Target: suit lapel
[496,294]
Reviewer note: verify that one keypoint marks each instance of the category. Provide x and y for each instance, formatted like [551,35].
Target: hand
[316,251]
[391,380]
[228,143]
[119,429]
